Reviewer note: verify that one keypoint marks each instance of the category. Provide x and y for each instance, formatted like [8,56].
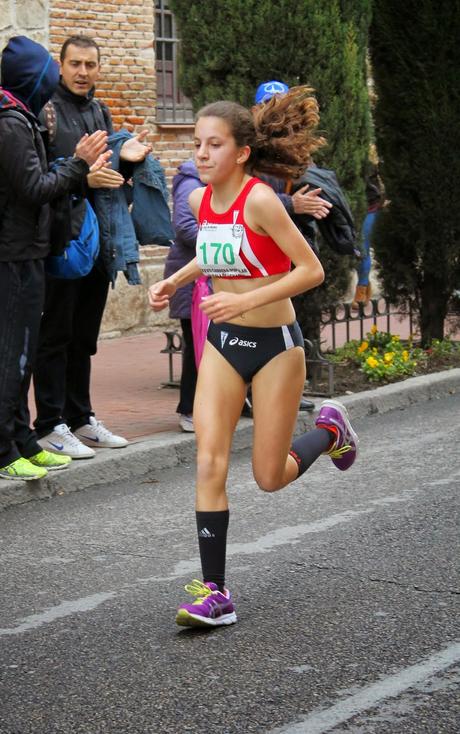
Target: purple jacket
[185,228]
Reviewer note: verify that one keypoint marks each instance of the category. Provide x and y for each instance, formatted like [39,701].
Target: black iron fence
[341,323]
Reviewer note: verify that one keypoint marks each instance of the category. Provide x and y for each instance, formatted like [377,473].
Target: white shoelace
[67,434]
[100,429]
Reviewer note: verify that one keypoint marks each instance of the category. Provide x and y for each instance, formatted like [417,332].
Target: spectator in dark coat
[180,253]
[29,77]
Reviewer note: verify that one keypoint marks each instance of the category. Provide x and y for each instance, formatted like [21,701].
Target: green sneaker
[22,469]
[51,462]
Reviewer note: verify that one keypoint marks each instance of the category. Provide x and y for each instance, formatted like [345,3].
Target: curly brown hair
[281,133]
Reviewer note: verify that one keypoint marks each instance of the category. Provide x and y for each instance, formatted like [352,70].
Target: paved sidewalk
[128,396]
[126,392]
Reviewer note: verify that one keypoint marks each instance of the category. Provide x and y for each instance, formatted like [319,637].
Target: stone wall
[24,18]
[127,310]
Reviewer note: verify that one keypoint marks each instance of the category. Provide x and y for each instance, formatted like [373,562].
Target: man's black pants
[21,303]
[68,339]
[189,372]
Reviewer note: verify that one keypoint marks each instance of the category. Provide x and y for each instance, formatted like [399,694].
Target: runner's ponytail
[286,133]
[282,133]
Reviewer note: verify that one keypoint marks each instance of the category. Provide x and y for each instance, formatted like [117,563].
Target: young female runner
[246,242]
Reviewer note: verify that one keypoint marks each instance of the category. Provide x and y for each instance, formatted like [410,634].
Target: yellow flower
[375,350]
[395,338]
[372,362]
[388,357]
[362,348]
[374,329]
[405,355]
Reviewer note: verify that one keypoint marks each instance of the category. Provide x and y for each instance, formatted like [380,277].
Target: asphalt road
[346,585]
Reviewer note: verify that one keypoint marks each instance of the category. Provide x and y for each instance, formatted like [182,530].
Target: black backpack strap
[104,110]
[8,112]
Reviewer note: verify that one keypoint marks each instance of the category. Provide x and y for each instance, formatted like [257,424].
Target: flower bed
[382,358]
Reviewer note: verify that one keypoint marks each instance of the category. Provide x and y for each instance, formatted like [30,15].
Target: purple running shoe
[211,608]
[345,450]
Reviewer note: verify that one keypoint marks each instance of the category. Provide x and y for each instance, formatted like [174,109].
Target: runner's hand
[222,306]
[160,293]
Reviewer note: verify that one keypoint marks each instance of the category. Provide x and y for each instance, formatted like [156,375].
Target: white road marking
[65,609]
[322,721]
[265,544]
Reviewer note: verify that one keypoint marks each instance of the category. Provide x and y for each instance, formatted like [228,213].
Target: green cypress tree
[229,46]
[416,67]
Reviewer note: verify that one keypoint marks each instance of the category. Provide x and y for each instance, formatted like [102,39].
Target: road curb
[161,451]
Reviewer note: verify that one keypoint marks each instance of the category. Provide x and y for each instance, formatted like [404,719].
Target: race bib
[218,249]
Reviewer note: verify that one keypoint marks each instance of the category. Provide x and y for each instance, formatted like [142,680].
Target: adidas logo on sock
[205,533]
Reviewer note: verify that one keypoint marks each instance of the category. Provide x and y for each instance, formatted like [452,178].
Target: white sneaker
[186,423]
[63,441]
[96,434]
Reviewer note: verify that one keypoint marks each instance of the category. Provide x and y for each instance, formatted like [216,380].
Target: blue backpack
[79,255]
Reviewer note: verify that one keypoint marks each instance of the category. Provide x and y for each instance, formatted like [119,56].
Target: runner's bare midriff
[273,314]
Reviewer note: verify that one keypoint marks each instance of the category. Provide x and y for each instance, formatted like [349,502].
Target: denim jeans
[364,267]
[21,304]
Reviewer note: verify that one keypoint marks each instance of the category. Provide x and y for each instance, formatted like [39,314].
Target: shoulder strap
[103,109]
[243,195]
[204,206]
[8,112]
[5,112]
[49,113]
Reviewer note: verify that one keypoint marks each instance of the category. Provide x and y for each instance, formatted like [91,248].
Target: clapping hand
[310,202]
[135,150]
[104,178]
[93,149]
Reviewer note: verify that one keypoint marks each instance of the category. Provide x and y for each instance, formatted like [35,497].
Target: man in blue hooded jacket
[28,78]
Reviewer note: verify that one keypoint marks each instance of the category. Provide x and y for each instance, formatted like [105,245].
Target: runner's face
[217,155]
[80,69]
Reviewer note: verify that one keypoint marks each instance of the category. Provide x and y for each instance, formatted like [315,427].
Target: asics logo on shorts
[241,343]
[223,338]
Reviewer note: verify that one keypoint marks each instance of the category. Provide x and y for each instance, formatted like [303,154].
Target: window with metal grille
[172,106]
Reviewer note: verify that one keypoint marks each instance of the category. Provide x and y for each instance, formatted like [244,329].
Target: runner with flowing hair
[246,243]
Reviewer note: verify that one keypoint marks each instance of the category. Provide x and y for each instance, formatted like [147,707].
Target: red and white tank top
[227,247]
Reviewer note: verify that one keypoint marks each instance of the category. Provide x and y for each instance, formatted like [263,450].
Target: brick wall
[124,29]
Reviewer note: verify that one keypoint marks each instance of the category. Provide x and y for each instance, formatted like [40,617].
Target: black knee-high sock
[309,446]
[212,539]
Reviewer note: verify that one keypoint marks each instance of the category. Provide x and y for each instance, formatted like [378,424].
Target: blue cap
[266,90]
